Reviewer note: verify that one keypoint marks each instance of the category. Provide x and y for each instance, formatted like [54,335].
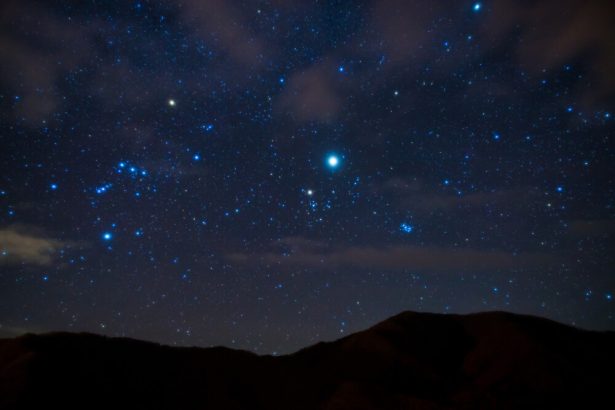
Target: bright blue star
[341,69]
[139,232]
[569,108]
[405,227]
[107,236]
[281,80]
[560,189]
[333,161]
[103,188]
[477,7]
[207,127]
[496,136]
[196,157]
[53,187]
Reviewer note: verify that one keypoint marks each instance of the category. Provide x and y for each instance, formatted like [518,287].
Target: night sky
[268,174]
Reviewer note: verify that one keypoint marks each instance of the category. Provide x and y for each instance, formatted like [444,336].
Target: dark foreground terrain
[411,361]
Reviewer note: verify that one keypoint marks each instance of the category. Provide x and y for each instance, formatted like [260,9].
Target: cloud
[297,252]
[404,28]
[547,34]
[34,60]
[311,95]
[21,248]
[412,193]
[224,24]
[593,227]
[552,33]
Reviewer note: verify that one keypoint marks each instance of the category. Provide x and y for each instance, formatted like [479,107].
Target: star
[53,186]
[107,236]
[171,102]
[405,227]
[477,7]
[333,161]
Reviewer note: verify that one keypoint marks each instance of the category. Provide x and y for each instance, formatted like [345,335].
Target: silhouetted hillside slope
[410,361]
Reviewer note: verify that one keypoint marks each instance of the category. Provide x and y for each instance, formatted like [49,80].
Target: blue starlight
[196,157]
[107,236]
[496,136]
[560,189]
[476,7]
[207,127]
[405,227]
[103,188]
[341,69]
[139,232]
[333,161]
[53,186]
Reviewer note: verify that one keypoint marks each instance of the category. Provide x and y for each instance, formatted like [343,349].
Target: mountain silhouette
[410,361]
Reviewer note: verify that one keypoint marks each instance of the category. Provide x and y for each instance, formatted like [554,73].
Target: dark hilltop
[410,361]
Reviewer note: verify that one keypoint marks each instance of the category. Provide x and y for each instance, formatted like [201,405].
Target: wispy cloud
[311,94]
[298,252]
[18,247]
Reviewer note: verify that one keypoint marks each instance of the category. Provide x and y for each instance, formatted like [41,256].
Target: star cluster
[266,175]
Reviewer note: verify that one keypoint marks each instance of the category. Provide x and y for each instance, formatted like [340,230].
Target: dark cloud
[404,29]
[311,95]
[297,252]
[35,60]
[553,33]
[547,35]
[593,227]
[413,193]
[221,22]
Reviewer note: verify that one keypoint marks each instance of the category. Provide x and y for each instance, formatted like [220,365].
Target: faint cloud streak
[21,248]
